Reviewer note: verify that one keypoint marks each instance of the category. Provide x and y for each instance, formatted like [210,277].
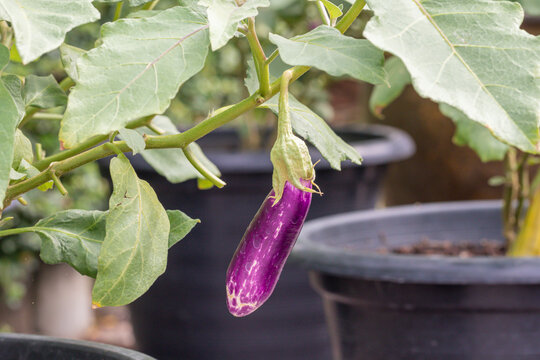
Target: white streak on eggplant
[259,259]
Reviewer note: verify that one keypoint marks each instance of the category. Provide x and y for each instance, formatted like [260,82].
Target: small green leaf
[69,55]
[172,163]
[133,139]
[181,225]
[15,175]
[30,171]
[134,252]
[472,134]
[329,50]
[309,126]
[135,72]
[204,184]
[383,95]
[22,149]
[43,92]
[496,181]
[224,17]
[10,115]
[41,25]
[73,237]
[4,57]
[333,10]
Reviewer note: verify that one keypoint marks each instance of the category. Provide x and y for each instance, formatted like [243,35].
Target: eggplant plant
[468,55]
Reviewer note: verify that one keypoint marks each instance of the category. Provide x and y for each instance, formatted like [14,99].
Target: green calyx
[289,155]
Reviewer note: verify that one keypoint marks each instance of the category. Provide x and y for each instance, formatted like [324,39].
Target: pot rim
[388,145]
[102,349]
[420,269]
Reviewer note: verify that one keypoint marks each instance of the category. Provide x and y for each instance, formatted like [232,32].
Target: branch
[263,70]
[68,160]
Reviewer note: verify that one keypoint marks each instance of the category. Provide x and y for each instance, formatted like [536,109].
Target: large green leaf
[10,114]
[309,126]
[136,71]
[224,16]
[41,25]
[73,237]
[134,252]
[172,163]
[472,134]
[43,92]
[329,50]
[469,54]
[383,94]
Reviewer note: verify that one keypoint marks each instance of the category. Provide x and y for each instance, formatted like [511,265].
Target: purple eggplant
[257,263]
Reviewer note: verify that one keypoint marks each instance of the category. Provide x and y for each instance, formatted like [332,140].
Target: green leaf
[135,72]
[41,25]
[472,134]
[383,95]
[309,126]
[133,139]
[4,57]
[333,10]
[329,50]
[26,168]
[73,237]
[172,163]
[224,17]
[134,252]
[22,149]
[14,85]
[15,175]
[43,92]
[181,225]
[469,54]
[10,115]
[69,55]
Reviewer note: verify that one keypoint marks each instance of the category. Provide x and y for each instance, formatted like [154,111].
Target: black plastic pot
[184,315]
[35,347]
[421,307]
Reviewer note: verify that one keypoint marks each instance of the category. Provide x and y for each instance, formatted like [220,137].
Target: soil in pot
[449,248]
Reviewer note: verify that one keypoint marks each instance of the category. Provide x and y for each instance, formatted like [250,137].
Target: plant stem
[47,116]
[272,57]
[73,158]
[284,122]
[523,191]
[259,57]
[351,15]
[7,34]
[87,144]
[118,11]
[216,181]
[322,12]
[510,190]
[66,83]
[150,5]
[16,231]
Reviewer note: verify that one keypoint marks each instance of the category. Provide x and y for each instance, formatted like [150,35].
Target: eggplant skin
[257,263]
